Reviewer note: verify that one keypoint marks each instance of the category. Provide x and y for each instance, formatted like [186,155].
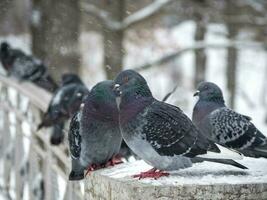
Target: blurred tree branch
[198,45]
[102,15]
[135,18]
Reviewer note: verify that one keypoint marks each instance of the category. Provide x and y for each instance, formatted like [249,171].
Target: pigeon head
[69,78]
[209,91]
[100,102]
[4,48]
[131,85]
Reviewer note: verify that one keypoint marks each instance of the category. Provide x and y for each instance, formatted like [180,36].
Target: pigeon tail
[76,176]
[40,126]
[225,153]
[225,161]
[166,97]
[257,152]
[77,171]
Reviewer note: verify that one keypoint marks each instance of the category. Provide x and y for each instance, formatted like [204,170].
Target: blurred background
[169,41]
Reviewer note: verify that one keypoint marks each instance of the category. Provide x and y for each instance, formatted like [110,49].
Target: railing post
[28,153]
[19,154]
[7,143]
[36,178]
[50,179]
[72,188]
[36,182]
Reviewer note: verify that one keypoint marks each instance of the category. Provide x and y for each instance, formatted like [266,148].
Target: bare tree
[232,55]
[200,55]
[198,45]
[13,16]
[55,32]
[113,40]
[114,26]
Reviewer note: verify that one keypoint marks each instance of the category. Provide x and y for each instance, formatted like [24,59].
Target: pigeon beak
[81,106]
[196,93]
[117,90]
[118,93]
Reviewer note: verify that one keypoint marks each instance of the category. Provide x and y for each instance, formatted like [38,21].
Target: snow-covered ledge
[203,181]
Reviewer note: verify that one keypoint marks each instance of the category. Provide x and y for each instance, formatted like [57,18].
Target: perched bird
[25,67]
[94,135]
[65,102]
[225,126]
[125,151]
[160,133]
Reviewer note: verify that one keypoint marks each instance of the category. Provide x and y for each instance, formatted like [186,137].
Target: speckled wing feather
[74,136]
[64,97]
[234,130]
[28,68]
[171,132]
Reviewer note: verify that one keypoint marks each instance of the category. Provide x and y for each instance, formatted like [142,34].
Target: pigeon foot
[115,160]
[93,167]
[152,173]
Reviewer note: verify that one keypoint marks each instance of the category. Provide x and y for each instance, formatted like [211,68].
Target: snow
[155,43]
[200,174]
[36,17]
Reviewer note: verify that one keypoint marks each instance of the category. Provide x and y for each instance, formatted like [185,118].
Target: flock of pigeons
[124,111]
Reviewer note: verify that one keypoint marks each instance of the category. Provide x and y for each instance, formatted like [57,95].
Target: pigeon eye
[125,79]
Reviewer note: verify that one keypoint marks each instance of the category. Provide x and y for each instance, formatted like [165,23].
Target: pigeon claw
[115,160]
[152,173]
[92,167]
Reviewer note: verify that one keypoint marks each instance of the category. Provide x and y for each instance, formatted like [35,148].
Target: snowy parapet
[202,181]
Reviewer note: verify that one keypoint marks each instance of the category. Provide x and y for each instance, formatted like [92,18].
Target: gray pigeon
[160,133]
[64,103]
[25,67]
[225,126]
[94,135]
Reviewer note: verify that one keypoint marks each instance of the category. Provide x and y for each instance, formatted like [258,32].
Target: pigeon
[25,67]
[160,133]
[225,126]
[65,102]
[125,151]
[94,135]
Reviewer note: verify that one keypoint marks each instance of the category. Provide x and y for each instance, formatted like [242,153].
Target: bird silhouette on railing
[65,102]
[25,67]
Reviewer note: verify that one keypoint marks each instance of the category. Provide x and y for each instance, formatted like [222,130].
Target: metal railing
[30,167]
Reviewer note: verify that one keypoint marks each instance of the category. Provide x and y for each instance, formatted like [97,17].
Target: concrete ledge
[203,181]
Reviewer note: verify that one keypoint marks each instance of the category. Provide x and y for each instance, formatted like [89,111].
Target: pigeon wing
[234,130]
[170,132]
[74,136]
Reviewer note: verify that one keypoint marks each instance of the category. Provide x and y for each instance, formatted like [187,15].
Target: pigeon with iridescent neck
[94,135]
[225,126]
[160,133]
